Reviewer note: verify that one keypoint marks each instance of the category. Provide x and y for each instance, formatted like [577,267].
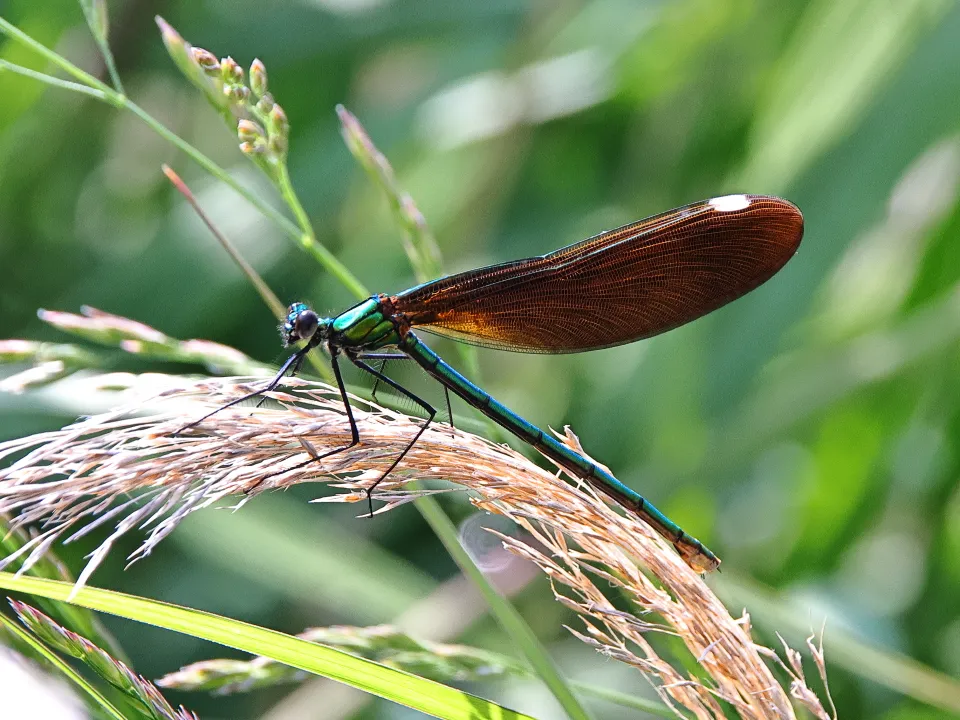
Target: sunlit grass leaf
[400,687]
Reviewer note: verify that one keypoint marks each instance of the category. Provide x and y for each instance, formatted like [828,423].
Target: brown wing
[620,286]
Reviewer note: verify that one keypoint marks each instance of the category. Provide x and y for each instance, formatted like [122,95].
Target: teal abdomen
[364,326]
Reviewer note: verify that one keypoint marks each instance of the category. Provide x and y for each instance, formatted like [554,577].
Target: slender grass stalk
[54,81]
[95,12]
[58,60]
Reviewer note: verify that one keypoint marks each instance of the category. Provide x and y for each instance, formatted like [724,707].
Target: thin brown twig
[266,294]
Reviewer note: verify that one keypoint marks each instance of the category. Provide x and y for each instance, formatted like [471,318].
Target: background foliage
[810,433]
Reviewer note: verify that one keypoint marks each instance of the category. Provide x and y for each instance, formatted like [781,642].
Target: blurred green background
[809,433]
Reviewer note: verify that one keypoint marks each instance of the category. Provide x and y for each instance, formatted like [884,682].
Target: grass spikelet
[83,476]
[136,688]
[382,643]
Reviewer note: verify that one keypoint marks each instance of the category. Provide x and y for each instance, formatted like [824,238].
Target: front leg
[293,361]
[354,431]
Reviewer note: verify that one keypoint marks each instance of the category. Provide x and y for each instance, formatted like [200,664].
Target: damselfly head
[301,323]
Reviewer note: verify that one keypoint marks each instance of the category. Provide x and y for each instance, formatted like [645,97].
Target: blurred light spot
[949,647]
[486,549]
[27,693]
[131,168]
[243,225]
[884,573]
[878,270]
[113,224]
[822,608]
[479,107]
[918,458]
[875,357]
[393,77]
[534,385]
[928,189]
[346,7]
[564,85]
[615,368]
[758,516]
[492,103]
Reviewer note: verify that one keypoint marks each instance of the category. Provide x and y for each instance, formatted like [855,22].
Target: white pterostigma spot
[730,203]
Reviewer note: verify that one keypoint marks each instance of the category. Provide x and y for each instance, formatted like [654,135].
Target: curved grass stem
[298,232]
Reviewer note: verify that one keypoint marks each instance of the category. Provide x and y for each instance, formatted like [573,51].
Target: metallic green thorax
[364,326]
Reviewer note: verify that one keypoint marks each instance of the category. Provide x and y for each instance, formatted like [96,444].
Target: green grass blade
[424,695]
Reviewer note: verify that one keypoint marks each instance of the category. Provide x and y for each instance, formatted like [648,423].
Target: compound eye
[306,324]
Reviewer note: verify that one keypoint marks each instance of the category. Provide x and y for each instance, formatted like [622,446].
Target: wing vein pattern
[622,285]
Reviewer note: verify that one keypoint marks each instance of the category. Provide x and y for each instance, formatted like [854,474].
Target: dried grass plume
[128,469]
